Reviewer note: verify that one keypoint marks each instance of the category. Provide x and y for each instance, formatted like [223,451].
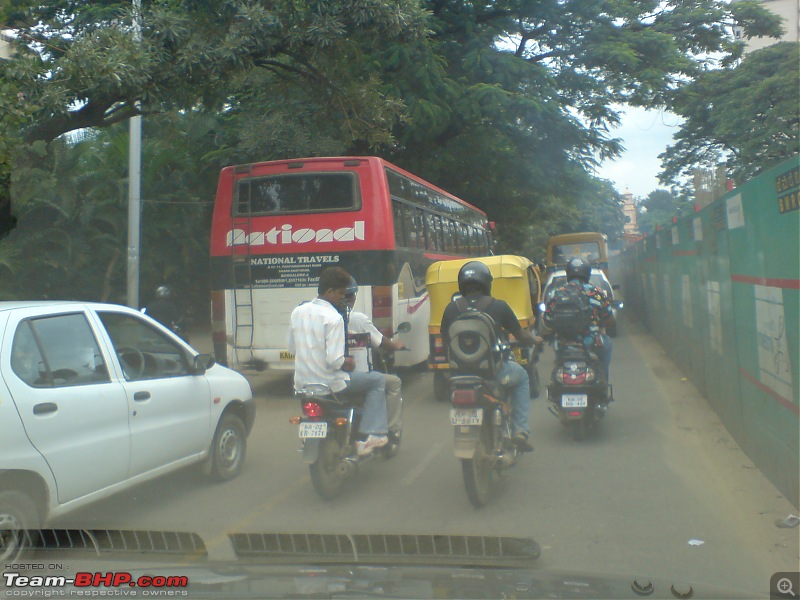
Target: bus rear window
[296,193]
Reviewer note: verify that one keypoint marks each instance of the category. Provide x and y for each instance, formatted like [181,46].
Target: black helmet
[474,275]
[577,268]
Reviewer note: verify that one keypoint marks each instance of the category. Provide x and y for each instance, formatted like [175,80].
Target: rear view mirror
[201,363]
[404,327]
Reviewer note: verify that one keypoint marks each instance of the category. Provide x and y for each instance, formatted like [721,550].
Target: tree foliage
[507,103]
[748,114]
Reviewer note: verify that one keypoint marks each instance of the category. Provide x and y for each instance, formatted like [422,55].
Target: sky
[645,134]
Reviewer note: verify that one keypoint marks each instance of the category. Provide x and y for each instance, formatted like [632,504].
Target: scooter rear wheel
[326,477]
[580,429]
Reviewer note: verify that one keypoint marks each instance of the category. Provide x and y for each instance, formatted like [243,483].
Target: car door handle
[141,396]
[45,408]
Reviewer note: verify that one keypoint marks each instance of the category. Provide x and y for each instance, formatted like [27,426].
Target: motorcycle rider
[317,339]
[362,338]
[474,283]
[163,308]
[594,337]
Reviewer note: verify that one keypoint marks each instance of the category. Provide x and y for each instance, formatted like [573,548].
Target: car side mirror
[201,363]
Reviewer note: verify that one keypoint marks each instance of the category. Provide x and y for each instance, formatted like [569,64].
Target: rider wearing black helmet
[163,308]
[475,283]
[578,273]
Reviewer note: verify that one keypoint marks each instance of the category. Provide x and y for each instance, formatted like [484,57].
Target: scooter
[578,393]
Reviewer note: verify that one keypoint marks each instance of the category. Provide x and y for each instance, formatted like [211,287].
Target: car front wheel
[228,448]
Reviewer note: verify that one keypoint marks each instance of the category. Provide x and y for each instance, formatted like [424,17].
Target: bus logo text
[285,235]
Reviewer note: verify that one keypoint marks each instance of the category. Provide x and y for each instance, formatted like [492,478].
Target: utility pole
[134,183]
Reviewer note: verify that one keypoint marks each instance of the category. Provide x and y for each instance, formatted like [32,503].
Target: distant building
[789,11]
[5,45]
[631,231]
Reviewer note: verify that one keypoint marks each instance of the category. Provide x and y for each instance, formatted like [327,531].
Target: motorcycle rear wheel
[478,471]
[325,475]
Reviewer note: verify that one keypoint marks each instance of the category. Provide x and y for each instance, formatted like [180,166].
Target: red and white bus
[277,224]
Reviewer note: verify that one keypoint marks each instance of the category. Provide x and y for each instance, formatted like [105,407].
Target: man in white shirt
[362,338]
[317,338]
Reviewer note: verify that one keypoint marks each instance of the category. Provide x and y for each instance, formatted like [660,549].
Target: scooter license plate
[574,400]
[466,416]
[313,430]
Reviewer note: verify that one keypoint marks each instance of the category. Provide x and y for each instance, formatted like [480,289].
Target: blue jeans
[373,414]
[604,354]
[514,378]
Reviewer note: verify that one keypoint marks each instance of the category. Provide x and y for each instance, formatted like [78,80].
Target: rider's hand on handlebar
[349,364]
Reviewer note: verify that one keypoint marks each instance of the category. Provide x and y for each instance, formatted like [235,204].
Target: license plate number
[466,416]
[313,430]
[287,356]
[574,400]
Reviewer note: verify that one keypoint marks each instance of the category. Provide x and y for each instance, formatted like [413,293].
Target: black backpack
[474,346]
[570,313]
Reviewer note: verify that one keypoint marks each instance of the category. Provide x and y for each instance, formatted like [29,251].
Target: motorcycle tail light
[312,409]
[464,397]
[574,378]
[574,413]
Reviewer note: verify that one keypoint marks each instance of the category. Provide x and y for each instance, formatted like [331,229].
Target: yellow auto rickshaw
[515,279]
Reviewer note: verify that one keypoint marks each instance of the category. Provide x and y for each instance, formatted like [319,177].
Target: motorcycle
[328,432]
[578,393]
[481,418]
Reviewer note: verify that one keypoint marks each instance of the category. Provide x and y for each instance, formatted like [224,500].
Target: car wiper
[483,551]
[115,541]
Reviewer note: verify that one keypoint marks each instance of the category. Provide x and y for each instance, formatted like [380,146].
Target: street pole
[134,184]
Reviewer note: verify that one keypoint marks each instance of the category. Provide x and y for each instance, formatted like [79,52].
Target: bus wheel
[441,387]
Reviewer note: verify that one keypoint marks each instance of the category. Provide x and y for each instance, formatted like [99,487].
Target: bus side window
[419,227]
[399,236]
[449,237]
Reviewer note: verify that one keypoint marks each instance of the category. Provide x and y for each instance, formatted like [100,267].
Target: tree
[748,114]
[659,207]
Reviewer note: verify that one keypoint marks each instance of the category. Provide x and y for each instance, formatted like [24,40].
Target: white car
[598,278]
[95,398]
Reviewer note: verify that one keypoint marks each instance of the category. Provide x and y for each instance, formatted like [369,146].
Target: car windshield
[188,189]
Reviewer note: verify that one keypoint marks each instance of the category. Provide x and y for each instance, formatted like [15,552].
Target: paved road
[660,472]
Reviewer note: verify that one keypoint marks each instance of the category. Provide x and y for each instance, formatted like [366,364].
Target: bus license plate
[287,356]
[466,416]
[574,400]
[313,430]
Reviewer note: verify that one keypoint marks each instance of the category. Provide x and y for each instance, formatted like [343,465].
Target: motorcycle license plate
[313,430]
[574,400]
[466,416]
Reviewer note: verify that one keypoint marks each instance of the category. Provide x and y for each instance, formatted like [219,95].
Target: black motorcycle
[578,393]
[481,419]
[480,409]
[328,430]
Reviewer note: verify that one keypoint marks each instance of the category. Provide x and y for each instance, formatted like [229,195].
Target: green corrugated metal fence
[719,289]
